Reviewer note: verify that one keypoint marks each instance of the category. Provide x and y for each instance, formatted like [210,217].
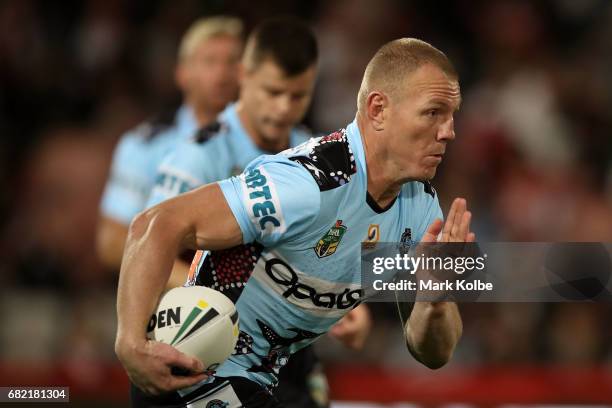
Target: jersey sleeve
[128,185]
[273,201]
[185,168]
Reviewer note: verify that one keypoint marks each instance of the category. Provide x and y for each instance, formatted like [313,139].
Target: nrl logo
[328,244]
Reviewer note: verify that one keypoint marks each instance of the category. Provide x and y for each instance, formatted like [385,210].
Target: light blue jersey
[220,150]
[304,214]
[135,163]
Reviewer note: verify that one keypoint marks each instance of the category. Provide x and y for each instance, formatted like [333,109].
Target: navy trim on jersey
[160,122]
[377,208]
[429,189]
[205,133]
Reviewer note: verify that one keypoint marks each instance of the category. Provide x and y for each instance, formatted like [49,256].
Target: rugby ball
[198,321]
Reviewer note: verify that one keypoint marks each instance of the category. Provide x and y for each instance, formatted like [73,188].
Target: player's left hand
[455,229]
[353,329]
[445,239]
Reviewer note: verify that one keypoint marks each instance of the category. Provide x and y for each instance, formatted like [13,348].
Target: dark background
[532,156]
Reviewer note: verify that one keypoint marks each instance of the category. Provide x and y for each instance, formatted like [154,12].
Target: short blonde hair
[205,28]
[394,61]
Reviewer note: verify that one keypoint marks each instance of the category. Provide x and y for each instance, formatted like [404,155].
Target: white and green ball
[198,321]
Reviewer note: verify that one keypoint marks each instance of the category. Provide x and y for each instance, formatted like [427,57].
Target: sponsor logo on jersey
[307,291]
[171,182]
[262,200]
[373,236]
[328,244]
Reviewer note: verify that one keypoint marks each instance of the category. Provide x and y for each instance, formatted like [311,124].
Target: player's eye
[432,113]
[273,92]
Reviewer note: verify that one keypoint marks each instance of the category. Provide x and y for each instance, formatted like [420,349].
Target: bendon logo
[189,326]
[165,318]
[261,196]
[328,244]
[282,274]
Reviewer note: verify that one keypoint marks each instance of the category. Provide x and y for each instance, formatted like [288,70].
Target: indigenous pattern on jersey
[304,214]
[331,162]
[218,151]
[135,162]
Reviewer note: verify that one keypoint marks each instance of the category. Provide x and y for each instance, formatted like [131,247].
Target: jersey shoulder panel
[157,125]
[206,133]
[329,159]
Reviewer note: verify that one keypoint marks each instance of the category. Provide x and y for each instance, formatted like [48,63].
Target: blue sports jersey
[135,163]
[218,151]
[304,214]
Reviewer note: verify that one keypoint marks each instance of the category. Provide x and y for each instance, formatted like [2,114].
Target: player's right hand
[149,365]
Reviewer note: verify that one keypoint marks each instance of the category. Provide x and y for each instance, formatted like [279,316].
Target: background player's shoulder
[206,133]
[329,159]
[301,134]
[156,126]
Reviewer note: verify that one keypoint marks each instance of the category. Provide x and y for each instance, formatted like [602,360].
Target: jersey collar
[186,120]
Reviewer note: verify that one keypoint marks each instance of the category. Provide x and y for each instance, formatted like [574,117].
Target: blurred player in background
[277,77]
[207,75]
[272,218]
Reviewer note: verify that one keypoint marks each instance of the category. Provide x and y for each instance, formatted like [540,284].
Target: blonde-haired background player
[207,75]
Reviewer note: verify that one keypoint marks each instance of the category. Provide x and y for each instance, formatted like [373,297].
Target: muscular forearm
[152,246]
[432,332]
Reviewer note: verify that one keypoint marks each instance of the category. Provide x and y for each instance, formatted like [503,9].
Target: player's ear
[241,73]
[376,103]
[181,76]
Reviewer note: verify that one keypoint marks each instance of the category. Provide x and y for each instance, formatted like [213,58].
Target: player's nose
[283,105]
[446,131]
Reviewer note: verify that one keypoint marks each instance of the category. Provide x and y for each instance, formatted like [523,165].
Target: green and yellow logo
[328,244]
[183,333]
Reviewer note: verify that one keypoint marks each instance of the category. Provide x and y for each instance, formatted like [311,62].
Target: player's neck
[272,146]
[204,115]
[383,185]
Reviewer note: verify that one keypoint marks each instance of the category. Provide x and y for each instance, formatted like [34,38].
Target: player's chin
[274,133]
[429,173]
